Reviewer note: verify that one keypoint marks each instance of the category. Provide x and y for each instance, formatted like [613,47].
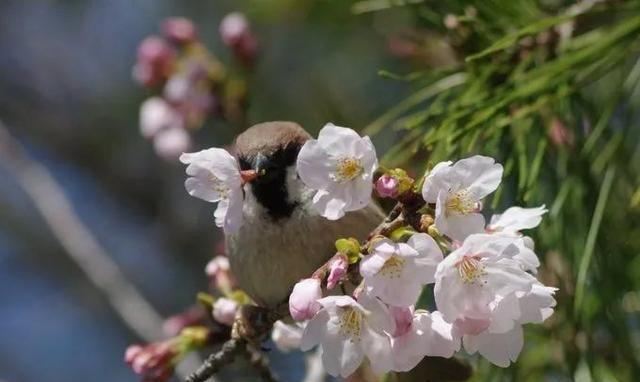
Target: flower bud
[155,61]
[349,247]
[224,311]
[233,27]
[303,301]
[220,274]
[179,30]
[174,324]
[235,33]
[154,362]
[387,186]
[337,269]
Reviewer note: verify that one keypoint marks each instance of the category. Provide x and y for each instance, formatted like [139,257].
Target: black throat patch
[270,190]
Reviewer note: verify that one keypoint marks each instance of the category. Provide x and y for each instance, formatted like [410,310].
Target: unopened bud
[338,266]
[224,311]
[387,186]
[349,247]
[303,301]
[426,221]
[179,30]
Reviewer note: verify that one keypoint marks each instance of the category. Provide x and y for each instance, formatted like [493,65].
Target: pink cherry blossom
[287,337]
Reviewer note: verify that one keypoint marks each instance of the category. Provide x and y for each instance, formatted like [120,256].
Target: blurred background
[548,87]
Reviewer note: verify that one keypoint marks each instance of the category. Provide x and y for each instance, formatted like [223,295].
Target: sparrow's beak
[248,176]
[262,166]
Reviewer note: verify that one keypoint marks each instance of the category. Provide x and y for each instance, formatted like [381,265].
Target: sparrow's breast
[269,256]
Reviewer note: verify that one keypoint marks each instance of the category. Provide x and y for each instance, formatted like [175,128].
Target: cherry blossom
[348,330]
[479,273]
[515,219]
[215,177]
[340,166]
[423,334]
[303,301]
[287,337]
[457,191]
[502,342]
[396,272]
[157,115]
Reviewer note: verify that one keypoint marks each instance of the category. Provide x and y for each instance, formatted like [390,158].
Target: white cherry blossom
[287,337]
[475,277]
[340,166]
[502,341]
[423,334]
[347,331]
[515,219]
[215,177]
[457,191]
[157,115]
[396,272]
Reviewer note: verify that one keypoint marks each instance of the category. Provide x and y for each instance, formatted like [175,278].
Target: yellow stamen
[350,323]
[392,268]
[470,269]
[348,169]
[219,186]
[460,202]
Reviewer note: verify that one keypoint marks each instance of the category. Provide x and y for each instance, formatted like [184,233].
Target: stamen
[350,323]
[461,202]
[348,169]
[392,268]
[470,269]
[219,186]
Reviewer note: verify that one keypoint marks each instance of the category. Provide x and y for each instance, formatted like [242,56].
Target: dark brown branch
[215,361]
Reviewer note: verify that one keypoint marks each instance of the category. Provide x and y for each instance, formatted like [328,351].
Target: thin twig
[215,361]
[78,241]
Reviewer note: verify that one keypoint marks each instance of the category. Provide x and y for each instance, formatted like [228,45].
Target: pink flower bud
[220,274]
[403,318]
[337,269]
[155,61]
[179,30]
[303,302]
[173,325]
[154,362]
[235,33]
[233,28]
[131,353]
[224,311]
[387,186]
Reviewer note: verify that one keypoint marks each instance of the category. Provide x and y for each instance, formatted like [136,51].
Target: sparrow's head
[271,149]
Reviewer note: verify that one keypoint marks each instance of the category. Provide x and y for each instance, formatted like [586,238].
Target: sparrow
[283,239]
